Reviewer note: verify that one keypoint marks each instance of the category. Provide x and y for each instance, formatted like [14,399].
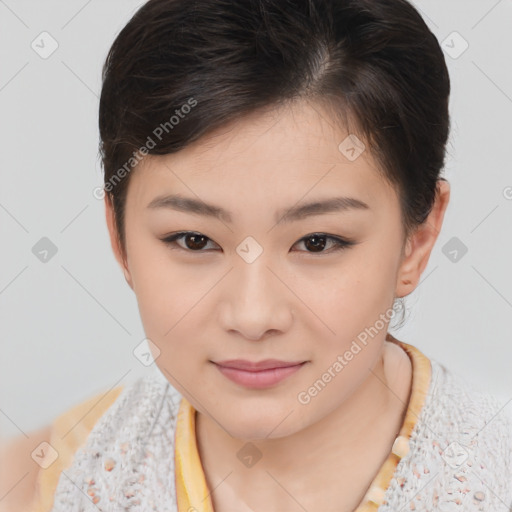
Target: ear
[114,239]
[421,242]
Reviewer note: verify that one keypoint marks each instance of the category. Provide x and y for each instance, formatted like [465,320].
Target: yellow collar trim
[192,492]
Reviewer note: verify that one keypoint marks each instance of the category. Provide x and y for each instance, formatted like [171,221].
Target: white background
[69,326]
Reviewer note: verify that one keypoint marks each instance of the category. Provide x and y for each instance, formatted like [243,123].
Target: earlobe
[114,239]
[421,242]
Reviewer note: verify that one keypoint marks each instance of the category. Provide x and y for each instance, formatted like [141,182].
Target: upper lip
[266,364]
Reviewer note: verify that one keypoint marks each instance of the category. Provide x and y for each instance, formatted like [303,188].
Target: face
[253,283]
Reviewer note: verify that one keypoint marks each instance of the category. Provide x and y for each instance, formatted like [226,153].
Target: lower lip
[260,379]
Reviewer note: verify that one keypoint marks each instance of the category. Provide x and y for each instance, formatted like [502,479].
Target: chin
[253,426]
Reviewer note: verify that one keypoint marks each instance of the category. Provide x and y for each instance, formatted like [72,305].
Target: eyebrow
[294,213]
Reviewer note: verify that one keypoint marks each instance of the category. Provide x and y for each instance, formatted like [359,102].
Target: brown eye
[193,242]
[316,243]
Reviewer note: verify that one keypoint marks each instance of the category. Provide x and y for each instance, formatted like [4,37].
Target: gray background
[69,325]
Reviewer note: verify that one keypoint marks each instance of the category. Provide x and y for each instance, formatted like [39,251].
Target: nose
[255,301]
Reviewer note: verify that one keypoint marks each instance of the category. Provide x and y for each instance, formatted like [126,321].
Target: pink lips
[259,374]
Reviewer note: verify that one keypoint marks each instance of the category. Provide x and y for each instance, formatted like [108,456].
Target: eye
[194,242]
[315,242]
[318,241]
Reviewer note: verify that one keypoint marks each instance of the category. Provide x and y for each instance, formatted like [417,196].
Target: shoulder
[476,420]
[460,450]
[32,463]
[129,444]
[465,413]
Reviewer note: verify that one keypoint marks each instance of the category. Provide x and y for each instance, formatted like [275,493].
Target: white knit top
[459,459]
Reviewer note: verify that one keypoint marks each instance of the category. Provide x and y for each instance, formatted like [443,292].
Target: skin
[18,471]
[291,303]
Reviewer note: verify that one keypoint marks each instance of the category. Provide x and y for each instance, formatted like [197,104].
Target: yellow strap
[191,490]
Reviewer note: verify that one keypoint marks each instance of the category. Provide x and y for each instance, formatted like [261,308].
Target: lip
[258,375]
[266,364]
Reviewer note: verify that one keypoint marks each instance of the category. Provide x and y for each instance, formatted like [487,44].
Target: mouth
[258,375]
[266,364]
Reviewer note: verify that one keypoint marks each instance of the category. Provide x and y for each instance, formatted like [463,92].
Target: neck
[346,446]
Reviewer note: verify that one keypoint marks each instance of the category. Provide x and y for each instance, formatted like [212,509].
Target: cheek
[357,297]
[169,300]
[167,314]
[165,295]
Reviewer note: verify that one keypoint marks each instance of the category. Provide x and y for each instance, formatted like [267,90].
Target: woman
[272,191]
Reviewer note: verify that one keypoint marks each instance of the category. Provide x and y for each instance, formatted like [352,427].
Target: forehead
[277,156]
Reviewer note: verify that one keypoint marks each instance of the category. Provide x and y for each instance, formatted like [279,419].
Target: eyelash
[340,243]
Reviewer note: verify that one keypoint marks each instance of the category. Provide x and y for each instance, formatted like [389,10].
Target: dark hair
[181,68]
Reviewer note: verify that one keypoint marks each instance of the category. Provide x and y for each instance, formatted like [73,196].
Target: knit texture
[460,456]
[459,459]
[127,462]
